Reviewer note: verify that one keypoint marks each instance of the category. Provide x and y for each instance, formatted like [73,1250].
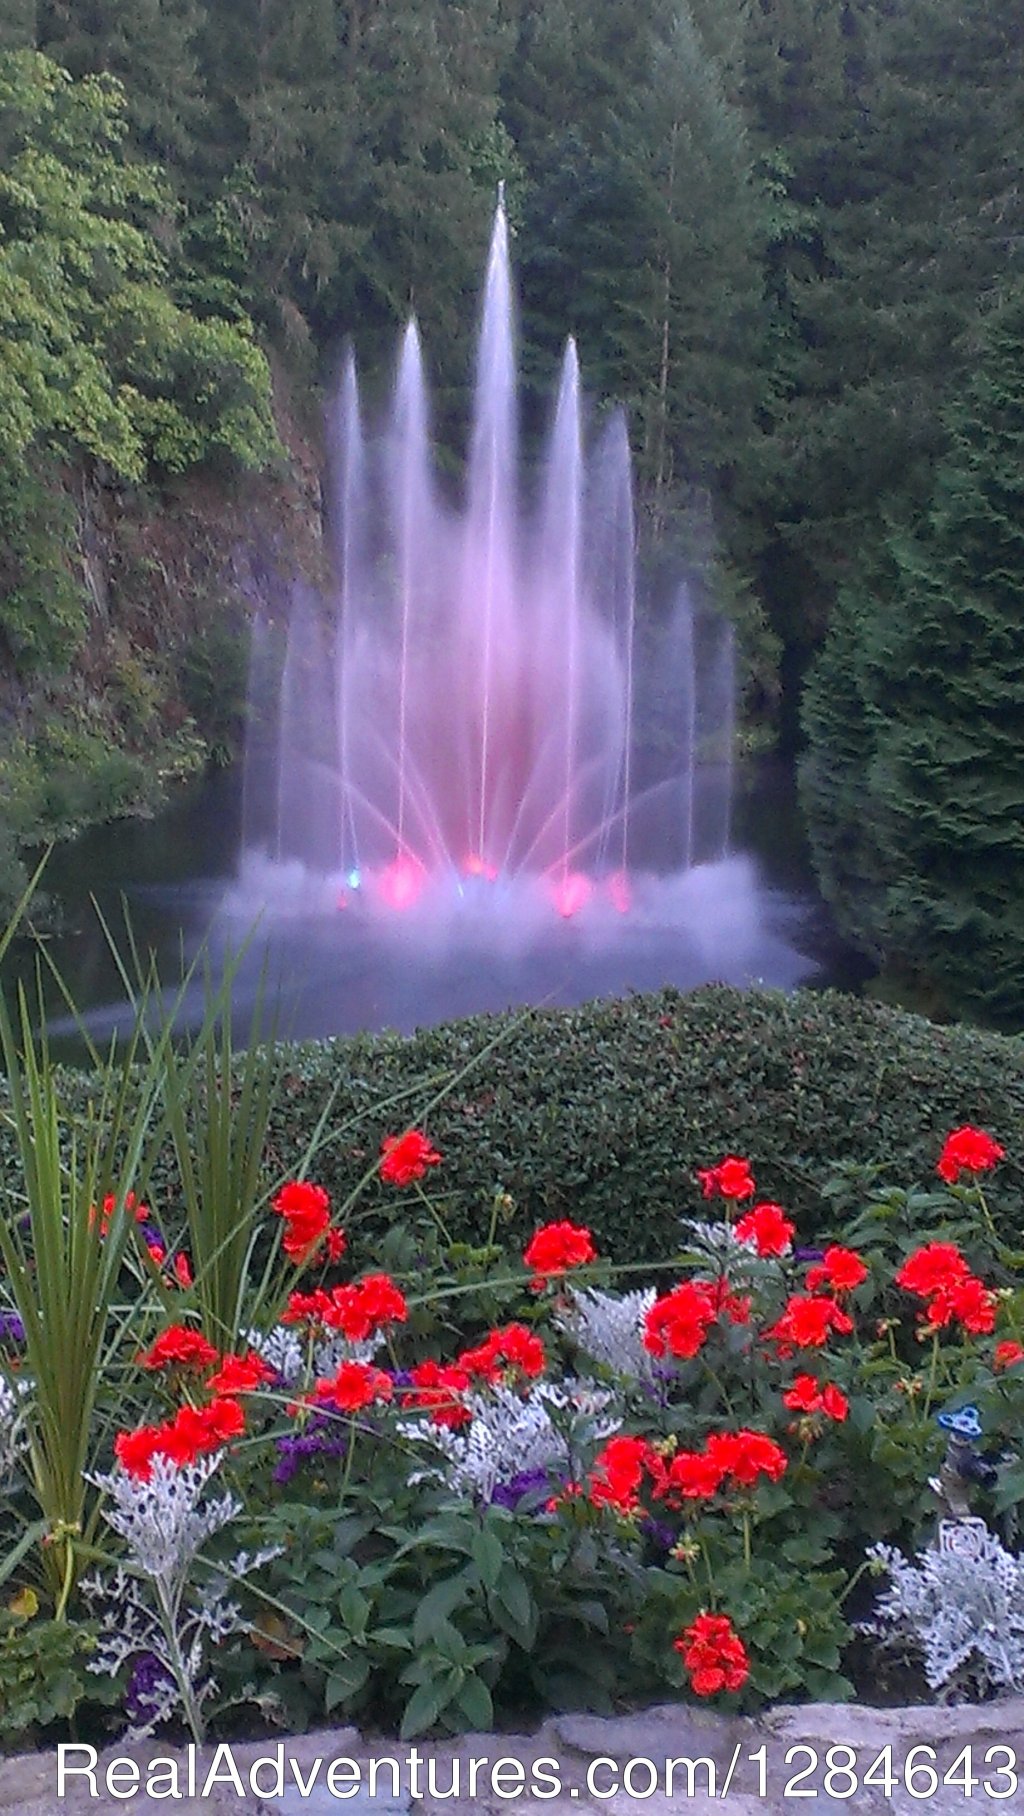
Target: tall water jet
[352,570]
[410,455]
[611,580]
[489,579]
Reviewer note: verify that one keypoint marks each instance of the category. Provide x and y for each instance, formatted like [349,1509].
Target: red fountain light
[475,866]
[619,892]
[401,883]
[571,893]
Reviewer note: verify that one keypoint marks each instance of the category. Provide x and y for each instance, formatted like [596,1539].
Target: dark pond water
[756,917]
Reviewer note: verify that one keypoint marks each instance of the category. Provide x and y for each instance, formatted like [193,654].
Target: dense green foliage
[773,225]
[919,694]
[602,1114]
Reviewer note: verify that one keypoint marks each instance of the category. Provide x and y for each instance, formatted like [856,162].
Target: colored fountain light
[463,709]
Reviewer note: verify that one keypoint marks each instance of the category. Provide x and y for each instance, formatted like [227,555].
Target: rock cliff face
[168,578]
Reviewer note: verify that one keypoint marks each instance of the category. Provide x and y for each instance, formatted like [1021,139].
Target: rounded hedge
[603,1113]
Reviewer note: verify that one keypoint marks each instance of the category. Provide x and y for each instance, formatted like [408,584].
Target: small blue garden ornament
[961,1468]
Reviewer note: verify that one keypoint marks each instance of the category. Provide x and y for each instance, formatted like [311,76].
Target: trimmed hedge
[602,1113]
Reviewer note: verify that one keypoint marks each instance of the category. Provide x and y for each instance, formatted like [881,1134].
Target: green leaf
[475,1703]
[439,1602]
[424,1708]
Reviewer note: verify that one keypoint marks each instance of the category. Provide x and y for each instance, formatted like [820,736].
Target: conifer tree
[150,46]
[918,712]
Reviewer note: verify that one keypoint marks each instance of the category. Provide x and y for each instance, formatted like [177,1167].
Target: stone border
[754,1760]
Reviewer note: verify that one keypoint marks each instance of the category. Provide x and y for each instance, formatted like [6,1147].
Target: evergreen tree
[892,136]
[918,709]
[150,46]
[642,235]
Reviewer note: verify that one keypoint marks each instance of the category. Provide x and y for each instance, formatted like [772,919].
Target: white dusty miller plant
[609,1329]
[162,1604]
[964,1614]
[512,1434]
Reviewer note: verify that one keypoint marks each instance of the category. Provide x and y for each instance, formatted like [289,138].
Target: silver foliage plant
[608,1328]
[512,1434]
[282,1351]
[164,1602]
[964,1614]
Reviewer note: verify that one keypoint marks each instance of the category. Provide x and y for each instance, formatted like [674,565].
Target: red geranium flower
[195,1430]
[714,1655]
[744,1455]
[557,1247]
[736,1306]
[768,1228]
[179,1347]
[967,1150]
[438,1389]
[834,1403]
[731,1178]
[513,1346]
[140,1212]
[305,1208]
[354,1386]
[678,1323]
[618,1472]
[932,1268]
[240,1375]
[808,1396]
[1008,1353]
[135,1450]
[222,1419]
[969,1302]
[405,1158]
[804,1395]
[183,1271]
[806,1323]
[359,1311]
[307,1308]
[691,1475]
[840,1268]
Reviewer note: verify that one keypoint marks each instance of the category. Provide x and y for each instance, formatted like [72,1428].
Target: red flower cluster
[807,1321]
[678,1323]
[555,1248]
[808,1396]
[619,1470]
[405,1158]
[357,1311]
[938,1272]
[731,1178]
[193,1432]
[967,1150]
[713,1654]
[361,1310]
[511,1347]
[240,1375]
[840,1268]
[768,1228]
[179,1347]
[182,1268]
[736,1456]
[306,1209]
[355,1385]
[140,1212]
[438,1388]
[1008,1354]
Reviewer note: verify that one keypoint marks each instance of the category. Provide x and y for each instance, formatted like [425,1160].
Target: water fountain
[443,756]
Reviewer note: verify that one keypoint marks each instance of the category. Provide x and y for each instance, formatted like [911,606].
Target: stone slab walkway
[882,1762]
